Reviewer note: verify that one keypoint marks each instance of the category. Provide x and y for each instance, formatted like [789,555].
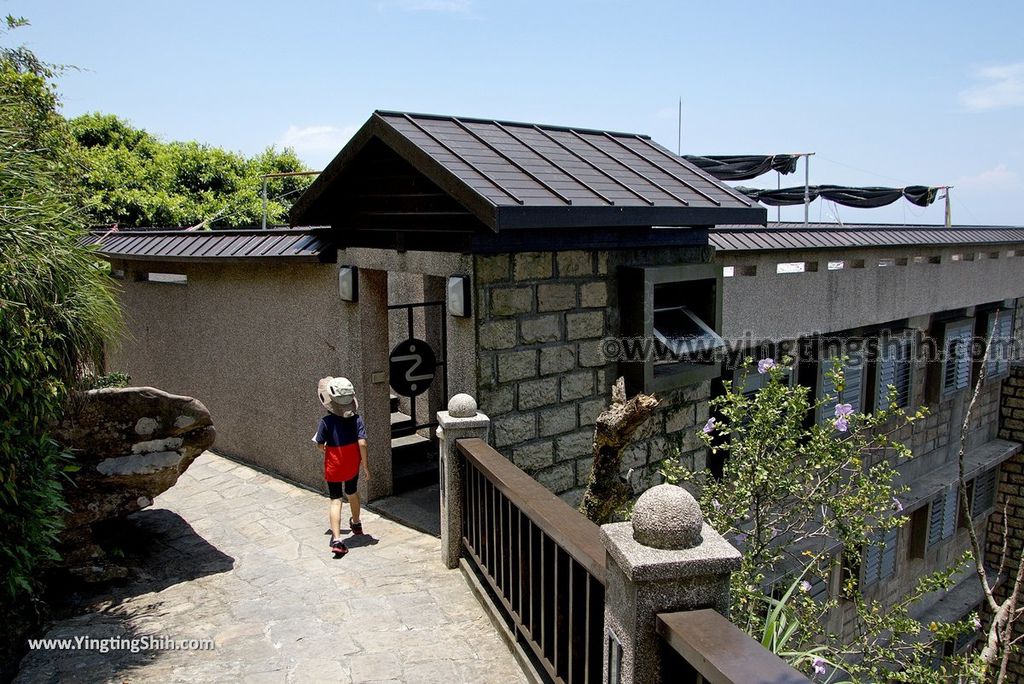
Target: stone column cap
[446,420]
[713,556]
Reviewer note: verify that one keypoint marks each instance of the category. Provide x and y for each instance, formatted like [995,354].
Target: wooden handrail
[567,527]
[721,652]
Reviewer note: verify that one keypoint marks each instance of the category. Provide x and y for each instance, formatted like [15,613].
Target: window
[942,515]
[999,333]
[165,278]
[895,367]
[956,364]
[984,492]
[674,311]
[879,557]
[853,389]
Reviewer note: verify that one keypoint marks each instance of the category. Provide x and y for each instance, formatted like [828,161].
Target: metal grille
[549,599]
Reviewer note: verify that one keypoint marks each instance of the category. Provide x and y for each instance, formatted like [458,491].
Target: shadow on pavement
[162,550]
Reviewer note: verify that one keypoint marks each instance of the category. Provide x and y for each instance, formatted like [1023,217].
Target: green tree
[56,310]
[799,500]
[133,179]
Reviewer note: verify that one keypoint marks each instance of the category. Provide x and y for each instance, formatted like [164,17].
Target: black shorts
[335,489]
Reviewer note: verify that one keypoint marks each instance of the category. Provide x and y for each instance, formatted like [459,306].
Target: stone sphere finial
[462,406]
[667,517]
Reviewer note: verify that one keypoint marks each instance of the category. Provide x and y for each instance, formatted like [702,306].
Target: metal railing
[542,560]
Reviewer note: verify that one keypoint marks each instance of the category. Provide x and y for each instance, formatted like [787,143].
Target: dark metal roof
[516,175]
[795,236]
[214,245]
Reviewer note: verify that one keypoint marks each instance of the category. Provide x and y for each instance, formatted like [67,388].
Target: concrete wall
[543,378]
[790,305]
[250,341]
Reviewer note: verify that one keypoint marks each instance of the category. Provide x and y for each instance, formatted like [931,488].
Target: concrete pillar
[666,560]
[460,421]
[373,389]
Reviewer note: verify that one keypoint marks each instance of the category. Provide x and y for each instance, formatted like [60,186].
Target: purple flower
[716,504]
[897,505]
[709,426]
[977,622]
[805,586]
[842,424]
[765,365]
[741,537]
[819,666]
[843,410]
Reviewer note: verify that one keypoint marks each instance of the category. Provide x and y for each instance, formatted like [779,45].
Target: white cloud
[999,87]
[999,179]
[441,6]
[316,139]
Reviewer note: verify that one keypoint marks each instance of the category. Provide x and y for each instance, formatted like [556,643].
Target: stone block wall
[543,378]
[1010,495]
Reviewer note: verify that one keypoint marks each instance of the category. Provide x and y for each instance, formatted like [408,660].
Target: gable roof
[516,175]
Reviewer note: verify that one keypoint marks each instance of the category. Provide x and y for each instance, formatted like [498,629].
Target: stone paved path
[238,556]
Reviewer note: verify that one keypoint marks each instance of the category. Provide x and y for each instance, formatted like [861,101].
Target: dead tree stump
[606,491]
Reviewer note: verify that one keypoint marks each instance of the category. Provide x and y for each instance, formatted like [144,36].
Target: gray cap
[336,394]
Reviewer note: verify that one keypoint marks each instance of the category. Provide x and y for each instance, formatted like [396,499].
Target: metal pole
[264,203]
[679,140]
[949,210]
[807,189]
[778,208]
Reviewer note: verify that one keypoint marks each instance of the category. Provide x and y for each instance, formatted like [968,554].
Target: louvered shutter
[938,508]
[949,514]
[984,492]
[872,563]
[894,369]
[853,380]
[1000,338]
[880,558]
[957,369]
[888,563]
[853,392]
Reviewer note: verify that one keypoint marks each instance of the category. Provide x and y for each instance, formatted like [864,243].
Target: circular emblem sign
[412,366]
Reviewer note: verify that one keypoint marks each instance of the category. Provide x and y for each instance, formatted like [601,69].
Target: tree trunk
[606,491]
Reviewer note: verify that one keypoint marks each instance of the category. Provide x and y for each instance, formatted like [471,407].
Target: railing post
[666,560]
[460,421]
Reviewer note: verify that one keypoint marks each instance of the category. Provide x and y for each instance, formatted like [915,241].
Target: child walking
[341,436]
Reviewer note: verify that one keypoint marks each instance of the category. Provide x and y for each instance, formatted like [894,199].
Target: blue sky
[884,93]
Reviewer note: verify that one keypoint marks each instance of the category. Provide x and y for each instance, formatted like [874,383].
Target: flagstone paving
[235,555]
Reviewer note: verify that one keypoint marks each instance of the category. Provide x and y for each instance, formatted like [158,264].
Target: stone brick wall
[1011,495]
[543,379]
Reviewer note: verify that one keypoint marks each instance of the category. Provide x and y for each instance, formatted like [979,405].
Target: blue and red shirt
[341,436]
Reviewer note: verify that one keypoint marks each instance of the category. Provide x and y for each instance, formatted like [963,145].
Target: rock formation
[130,444]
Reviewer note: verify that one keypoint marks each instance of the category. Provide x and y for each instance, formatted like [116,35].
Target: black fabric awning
[737,167]
[861,198]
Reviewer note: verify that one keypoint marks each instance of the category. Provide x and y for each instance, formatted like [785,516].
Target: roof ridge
[505,122]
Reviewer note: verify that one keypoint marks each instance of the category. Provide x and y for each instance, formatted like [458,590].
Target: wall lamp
[459,303]
[348,283]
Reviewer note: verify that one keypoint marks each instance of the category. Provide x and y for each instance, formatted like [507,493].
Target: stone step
[394,402]
[413,462]
[401,425]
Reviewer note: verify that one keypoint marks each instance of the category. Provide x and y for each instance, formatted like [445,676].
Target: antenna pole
[264,203]
[679,139]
